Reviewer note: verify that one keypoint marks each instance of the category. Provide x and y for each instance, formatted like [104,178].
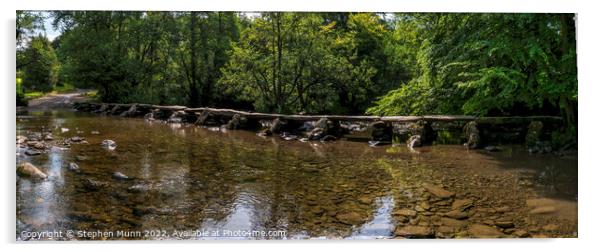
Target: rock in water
[26,169]
[109,144]
[21,139]
[414,232]
[405,212]
[483,231]
[438,191]
[120,176]
[414,141]
[328,138]
[74,167]
[32,152]
[471,131]
[93,185]
[456,214]
[350,218]
[277,126]
[76,139]
[462,204]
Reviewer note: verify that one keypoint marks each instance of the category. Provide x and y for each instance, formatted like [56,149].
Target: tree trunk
[194,92]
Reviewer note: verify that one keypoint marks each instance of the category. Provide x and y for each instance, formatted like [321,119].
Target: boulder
[534,132]
[177,117]
[26,169]
[130,112]
[236,122]
[381,131]
[414,141]
[471,132]
[149,116]
[422,130]
[207,118]
[277,126]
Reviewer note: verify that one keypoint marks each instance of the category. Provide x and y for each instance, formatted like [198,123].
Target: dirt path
[64,100]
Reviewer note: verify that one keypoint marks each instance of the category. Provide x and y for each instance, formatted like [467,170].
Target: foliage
[488,64]
[319,63]
[21,101]
[41,73]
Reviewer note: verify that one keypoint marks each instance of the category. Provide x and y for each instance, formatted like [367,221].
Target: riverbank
[60,100]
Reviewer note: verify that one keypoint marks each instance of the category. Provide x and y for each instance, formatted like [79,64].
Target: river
[188,182]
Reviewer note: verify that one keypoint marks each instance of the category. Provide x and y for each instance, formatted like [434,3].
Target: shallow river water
[188,182]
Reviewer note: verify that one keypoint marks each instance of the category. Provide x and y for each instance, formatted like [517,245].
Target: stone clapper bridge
[472,131]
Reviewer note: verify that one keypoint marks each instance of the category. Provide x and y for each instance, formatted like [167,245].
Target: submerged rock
[504,224]
[21,139]
[32,152]
[76,139]
[73,167]
[483,231]
[328,138]
[120,176]
[81,158]
[93,185]
[48,137]
[351,218]
[109,144]
[414,232]
[462,204]
[26,169]
[438,191]
[456,214]
[405,212]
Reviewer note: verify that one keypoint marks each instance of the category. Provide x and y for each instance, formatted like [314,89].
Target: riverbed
[189,182]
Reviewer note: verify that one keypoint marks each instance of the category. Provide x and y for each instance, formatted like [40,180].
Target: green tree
[41,73]
[489,64]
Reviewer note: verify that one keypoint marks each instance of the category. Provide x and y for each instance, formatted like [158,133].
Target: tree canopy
[343,63]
